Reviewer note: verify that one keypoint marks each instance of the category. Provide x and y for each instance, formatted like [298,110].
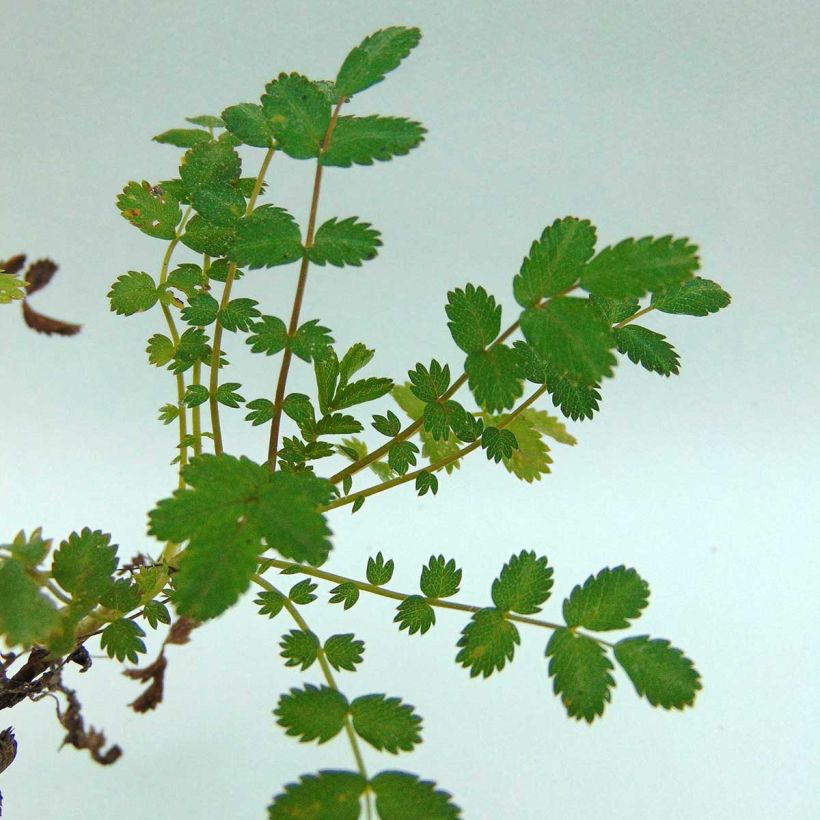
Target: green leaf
[328,795]
[156,613]
[426,481]
[494,377]
[633,267]
[375,56]
[344,651]
[385,723]
[549,425]
[261,411]
[388,425]
[326,370]
[299,648]
[298,407]
[270,335]
[195,395]
[695,297]
[415,615]
[26,615]
[337,424]
[401,456]
[270,602]
[226,394]
[218,271]
[11,288]
[133,292]
[346,593]
[360,392]
[379,571]
[615,310]
[187,278]
[206,121]
[302,592]
[344,243]
[432,384]
[353,361]
[193,347]
[660,672]
[475,319]
[360,140]
[239,314]
[312,713]
[220,203]
[248,123]
[648,349]
[440,578]
[580,671]
[208,165]
[499,444]
[404,796]
[183,137]
[311,340]
[576,401]
[572,337]
[122,639]
[556,260]
[608,600]
[201,310]
[151,209]
[437,420]
[160,350]
[31,550]
[84,564]
[523,585]
[203,236]
[121,596]
[298,114]
[267,238]
[405,398]
[168,413]
[531,459]
[487,643]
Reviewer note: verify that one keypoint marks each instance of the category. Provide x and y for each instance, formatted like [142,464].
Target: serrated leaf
[357,356]
[187,278]
[268,237]
[634,267]
[415,615]
[346,593]
[302,592]
[326,370]
[84,564]
[555,261]
[608,600]
[209,164]
[487,642]
[440,578]
[328,795]
[344,651]
[168,413]
[524,584]
[299,648]
[531,459]
[122,639]
[312,713]
[220,203]
[201,310]
[182,137]
[361,140]
[379,571]
[572,337]
[160,350]
[121,596]
[226,394]
[239,314]
[153,210]
[206,121]
[337,424]
[270,602]
[375,56]
[404,796]
[429,384]
[261,411]
[498,444]
[388,425]
[660,672]
[647,348]
[219,268]
[133,292]
[311,340]
[195,395]
[475,319]
[205,237]
[11,288]
[576,401]
[403,396]
[615,310]
[193,347]
[248,123]
[549,425]
[494,377]
[426,482]
[298,114]
[29,550]
[695,297]
[385,723]
[298,407]
[581,674]
[360,392]
[347,242]
[156,613]
[401,456]
[270,335]
[26,615]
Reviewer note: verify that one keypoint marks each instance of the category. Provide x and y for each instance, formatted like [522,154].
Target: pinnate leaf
[312,713]
[122,639]
[415,615]
[581,674]
[475,319]
[299,648]
[660,672]
[361,140]
[133,292]
[298,114]
[345,242]
[344,651]
[695,297]
[385,723]
[648,349]
[440,578]
[268,237]
[523,585]
[487,642]
[608,600]
[328,795]
[26,615]
[153,210]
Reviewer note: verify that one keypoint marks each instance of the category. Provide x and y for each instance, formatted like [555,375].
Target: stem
[635,315]
[432,468]
[328,675]
[276,421]
[226,295]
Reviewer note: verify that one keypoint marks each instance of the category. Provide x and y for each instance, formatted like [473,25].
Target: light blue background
[695,118]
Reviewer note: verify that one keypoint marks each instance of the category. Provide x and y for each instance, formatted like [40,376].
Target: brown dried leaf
[39,274]
[8,748]
[76,734]
[152,696]
[45,324]
[14,265]
[180,631]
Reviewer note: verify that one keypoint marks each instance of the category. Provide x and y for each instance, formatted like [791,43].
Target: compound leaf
[346,593]
[160,350]
[361,140]
[311,340]
[426,482]
[523,585]
[385,723]
[429,385]
[487,642]
[648,349]
[401,456]
[498,444]
[302,592]
[261,411]
[608,600]
[208,165]
[344,243]
[312,713]
[531,459]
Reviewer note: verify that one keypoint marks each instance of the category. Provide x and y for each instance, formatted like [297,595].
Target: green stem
[635,315]
[281,384]
[213,385]
[432,468]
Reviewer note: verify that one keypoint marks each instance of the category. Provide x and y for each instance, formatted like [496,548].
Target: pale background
[695,118]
